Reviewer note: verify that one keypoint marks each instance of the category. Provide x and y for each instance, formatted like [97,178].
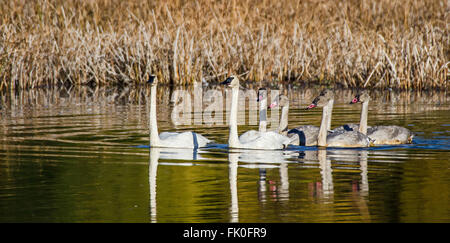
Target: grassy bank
[399,44]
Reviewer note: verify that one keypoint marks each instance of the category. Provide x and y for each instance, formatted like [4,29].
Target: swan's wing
[165,135]
[304,135]
[268,140]
[183,140]
[390,134]
[248,136]
[347,127]
[202,140]
[294,139]
[347,139]
[306,127]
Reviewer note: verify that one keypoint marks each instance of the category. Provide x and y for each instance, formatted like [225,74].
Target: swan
[264,140]
[338,138]
[305,135]
[380,134]
[252,134]
[170,139]
[283,102]
[354,126]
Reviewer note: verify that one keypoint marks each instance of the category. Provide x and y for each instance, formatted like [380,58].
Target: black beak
[151,79]
[227,81]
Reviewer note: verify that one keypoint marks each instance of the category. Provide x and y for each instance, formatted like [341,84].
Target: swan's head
[327,93]
[322,100]
[231,81]
[152,79]
[280,100]
[362,97]
[262,94]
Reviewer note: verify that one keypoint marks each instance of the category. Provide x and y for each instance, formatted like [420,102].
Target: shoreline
[384,44]
[291,84]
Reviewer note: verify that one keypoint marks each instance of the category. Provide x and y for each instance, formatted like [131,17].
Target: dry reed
[402,44]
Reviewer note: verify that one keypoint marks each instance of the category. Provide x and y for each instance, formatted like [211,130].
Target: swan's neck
[323,130]
[263,115]
[154,137]
[233,139]
[363,120]
[330,110]
[282,128]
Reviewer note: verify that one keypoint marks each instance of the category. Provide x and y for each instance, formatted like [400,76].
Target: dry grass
[400,44]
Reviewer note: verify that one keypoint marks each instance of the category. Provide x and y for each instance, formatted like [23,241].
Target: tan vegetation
[375,43]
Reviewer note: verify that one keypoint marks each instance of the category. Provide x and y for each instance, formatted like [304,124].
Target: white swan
[339,138]
[170,139]
[252,134]
[380,134]
[264,140]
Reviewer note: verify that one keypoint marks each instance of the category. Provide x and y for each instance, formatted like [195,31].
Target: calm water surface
[83,155]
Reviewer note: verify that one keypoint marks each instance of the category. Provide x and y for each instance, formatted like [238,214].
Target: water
[82,155]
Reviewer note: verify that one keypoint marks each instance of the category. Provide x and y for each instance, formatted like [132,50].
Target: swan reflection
[326,173]
[278,189]
[352,156]
[233,159]
[325,189]
[364,186]
[165,153]
[152,168]
[261,160]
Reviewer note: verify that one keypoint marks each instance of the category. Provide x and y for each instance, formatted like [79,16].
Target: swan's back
[390,134]
[348,127]
[249,136]
[182,140]
[347,139]
[305,135]
[266,140]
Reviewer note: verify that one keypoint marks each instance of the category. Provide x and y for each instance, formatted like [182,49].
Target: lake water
[82,155]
